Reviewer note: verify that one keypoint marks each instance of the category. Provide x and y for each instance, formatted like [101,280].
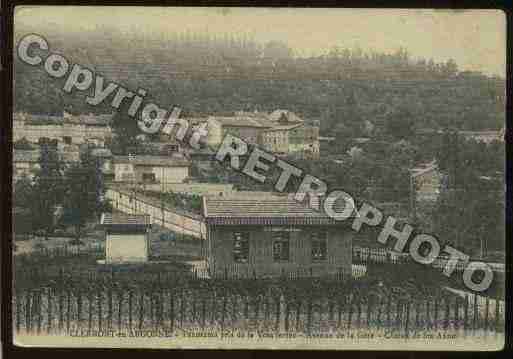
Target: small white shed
[126,237]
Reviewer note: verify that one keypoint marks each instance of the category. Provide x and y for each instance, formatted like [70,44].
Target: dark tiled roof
[271,209]
[291,116]
[90,119]
[243,121]
[125,219]
[25,156]
[284,127]
[101,152]
[33,156]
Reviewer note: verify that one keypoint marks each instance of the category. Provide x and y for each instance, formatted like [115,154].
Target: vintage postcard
[259,178]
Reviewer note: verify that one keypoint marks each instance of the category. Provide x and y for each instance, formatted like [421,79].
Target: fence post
[68,310]
[28,325]
[476,313]
[223,311]
[497,312]
[18,298]
[153,308]
[49,303]
[99,304]
[417,314]
[359,311]
[465,313]
[39,310]
[277,317]
[331,308]
[487,309]
[389,308]
[234,308]
[109,294]
[350,315]
[339,310]
[130,300]
[120,307]
[141,308]
[214,308]
[287,308]
[309,314]
[378,316]
[398,314]
[172,310]
[447,313]
[407,324]
[369,311]
[298,314]
[183,308]
[435,315]
[257,306]
[34,308]
[246,305]
[79,307]
[90,310]
[266,313]
[61,309]
[203,309]
[428,321]
[194,304]
[456,312]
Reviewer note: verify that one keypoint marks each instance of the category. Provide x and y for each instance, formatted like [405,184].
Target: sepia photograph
[258,178]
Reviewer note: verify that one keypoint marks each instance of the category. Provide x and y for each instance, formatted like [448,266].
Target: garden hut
[126,237]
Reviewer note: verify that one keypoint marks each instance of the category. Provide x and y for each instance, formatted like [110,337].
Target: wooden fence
[66,305]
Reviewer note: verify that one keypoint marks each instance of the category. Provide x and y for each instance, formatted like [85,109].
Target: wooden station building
[274,236]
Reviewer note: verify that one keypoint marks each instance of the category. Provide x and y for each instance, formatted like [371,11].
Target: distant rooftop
[266,210]
[243,121]
[289,115]
[284,127]
[125,220]
[148,160]
[33,156]
[101,152]
[66,118]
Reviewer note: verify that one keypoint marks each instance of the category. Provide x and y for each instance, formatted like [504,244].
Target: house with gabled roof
[282,132]
[151,169]
[273,236]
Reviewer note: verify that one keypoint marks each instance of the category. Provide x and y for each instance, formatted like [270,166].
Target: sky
[475,39]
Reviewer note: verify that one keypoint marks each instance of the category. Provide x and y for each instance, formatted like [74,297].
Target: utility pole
[412,198]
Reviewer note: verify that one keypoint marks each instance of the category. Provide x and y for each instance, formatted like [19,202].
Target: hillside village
[116,227]
[160,166]
[165,209]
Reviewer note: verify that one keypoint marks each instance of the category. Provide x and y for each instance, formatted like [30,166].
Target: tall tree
[48,193]
[125,130]
[84,188]
[23,192]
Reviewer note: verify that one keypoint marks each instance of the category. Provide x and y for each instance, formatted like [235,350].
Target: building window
[319,242]
[67,140]
[148,177]
[241,247]
[281,246]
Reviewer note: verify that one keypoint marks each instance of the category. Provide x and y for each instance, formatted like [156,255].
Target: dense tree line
[204,74]
[78,190]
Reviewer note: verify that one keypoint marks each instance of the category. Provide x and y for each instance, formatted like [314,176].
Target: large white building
[66,129]
[26,162]
[280,132]
[150,169]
